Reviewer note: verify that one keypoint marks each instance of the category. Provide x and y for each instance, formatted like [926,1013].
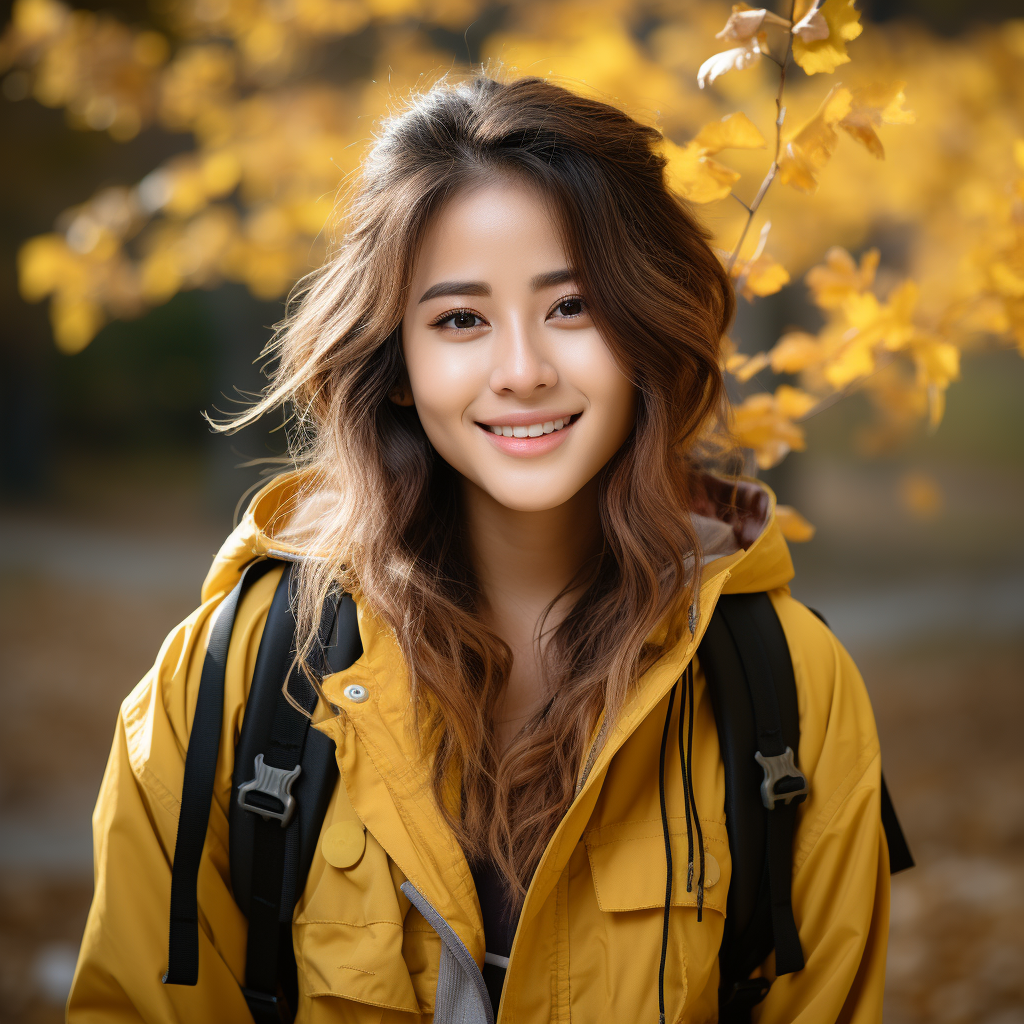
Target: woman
[501,382]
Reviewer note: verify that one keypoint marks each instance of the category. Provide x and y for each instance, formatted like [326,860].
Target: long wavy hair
[385,507]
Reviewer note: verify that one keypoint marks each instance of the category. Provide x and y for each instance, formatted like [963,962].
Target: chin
[526,499]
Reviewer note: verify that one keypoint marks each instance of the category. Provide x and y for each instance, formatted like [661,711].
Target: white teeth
[533,430]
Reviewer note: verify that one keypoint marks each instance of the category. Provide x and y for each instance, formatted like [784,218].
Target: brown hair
[661,300]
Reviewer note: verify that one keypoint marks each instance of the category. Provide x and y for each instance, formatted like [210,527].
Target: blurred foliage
[920,138]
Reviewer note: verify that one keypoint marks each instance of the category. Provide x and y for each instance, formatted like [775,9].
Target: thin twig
[780,116]
[740,201]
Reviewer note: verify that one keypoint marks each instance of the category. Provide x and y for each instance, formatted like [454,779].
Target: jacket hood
[737,515]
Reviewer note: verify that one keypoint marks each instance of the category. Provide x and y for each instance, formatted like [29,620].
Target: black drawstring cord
[668,857]
[686,801]
[691,800]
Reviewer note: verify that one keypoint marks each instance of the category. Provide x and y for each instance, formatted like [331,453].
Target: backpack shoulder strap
[284,776]
[749,673]
[197,789]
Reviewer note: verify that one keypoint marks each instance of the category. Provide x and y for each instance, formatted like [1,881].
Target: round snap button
[712,870]
[343,843]
[356,693]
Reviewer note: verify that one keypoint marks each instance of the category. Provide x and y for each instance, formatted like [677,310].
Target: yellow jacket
[589,940]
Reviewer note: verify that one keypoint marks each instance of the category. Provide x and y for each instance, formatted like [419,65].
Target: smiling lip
[527,446]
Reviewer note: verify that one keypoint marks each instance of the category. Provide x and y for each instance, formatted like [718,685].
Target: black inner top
[501,917]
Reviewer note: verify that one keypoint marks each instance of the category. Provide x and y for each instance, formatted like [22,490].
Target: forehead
[499,222]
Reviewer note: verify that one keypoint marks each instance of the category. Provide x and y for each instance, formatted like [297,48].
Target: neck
[524,559]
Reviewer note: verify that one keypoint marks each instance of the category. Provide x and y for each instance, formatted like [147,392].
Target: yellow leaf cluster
[857,112]
[690,170]
[766,423]
[760,276]
[864,333]
[103,73]
[271,140]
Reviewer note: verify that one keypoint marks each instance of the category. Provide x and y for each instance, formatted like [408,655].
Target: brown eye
[463,320]
[570,307]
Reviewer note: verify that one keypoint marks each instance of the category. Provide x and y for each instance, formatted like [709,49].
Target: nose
[520,364]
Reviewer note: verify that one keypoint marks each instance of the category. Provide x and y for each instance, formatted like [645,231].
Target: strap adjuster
[782,779]
[275,783]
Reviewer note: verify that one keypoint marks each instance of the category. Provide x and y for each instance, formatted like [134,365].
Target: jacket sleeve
[840,856]
[124,950]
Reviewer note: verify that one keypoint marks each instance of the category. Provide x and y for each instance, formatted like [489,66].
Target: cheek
[444,378]
[611,394]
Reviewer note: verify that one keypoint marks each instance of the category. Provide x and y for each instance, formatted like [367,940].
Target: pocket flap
[628,863]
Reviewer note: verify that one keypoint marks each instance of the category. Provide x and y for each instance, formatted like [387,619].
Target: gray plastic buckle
[275,783]
[776,768]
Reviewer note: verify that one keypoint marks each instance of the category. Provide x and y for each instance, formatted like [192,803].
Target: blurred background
[169,168]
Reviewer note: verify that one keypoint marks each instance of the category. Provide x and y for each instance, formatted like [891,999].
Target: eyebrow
[552,277]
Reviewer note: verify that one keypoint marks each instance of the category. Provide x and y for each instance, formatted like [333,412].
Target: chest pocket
[628,864]
[349,927]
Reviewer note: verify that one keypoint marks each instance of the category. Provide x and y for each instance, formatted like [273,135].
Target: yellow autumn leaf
[854,360]
[807,152]
[694,176]
[759,277]
[734,131]
[872,106]
[897,327]
[759,424]
[692,173]
[734,361]
[794,352]
[834,281]
[42,264]
[744,367]
[937,361]
[220,172]
[793,525]
[825,55]
[1006,280]
[794,403]
[75,320]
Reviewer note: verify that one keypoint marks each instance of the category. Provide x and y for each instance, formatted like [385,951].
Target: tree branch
[780,117]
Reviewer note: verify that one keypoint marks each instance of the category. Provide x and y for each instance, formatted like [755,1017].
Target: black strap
[749,673]
[762,648]
[269,965]
[900,857]
[197,790]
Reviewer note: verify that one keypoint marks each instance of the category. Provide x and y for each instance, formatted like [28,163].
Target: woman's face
[513,383]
